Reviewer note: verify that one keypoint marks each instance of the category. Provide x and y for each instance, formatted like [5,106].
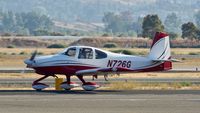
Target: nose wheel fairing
[39,86]
[68,85]
[88,86]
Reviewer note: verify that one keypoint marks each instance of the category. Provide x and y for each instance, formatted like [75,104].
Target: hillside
[93,10]
[121,42]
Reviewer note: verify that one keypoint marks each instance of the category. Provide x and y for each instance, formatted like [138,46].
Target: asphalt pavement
[100,101]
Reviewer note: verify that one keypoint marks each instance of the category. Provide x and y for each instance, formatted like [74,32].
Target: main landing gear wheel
[68,85]
[39,86]
[88,86]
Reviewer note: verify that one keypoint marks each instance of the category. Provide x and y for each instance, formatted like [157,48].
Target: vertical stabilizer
[160,48]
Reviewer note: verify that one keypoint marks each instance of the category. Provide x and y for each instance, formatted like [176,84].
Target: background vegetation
[118,18]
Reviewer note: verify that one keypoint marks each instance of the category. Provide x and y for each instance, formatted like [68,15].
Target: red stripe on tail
[158,36]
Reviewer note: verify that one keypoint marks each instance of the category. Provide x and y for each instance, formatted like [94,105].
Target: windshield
[71,52]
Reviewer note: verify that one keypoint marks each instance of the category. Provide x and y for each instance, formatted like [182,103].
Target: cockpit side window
[99,54]
[71,52]
[85,53]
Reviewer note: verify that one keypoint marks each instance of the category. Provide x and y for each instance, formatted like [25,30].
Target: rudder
[160,48]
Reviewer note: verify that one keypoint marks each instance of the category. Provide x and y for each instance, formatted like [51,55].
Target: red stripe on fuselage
[71,70]
[66,70]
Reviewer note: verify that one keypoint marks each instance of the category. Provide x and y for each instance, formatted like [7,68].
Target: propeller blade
[33,55]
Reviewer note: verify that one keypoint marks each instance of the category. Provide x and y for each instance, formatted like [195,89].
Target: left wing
[93,71]
[101,70]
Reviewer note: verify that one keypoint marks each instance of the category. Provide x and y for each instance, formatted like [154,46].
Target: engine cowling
[39,86]
[89,86]
[67,86]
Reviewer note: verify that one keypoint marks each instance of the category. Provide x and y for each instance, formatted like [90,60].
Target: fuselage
[73,59]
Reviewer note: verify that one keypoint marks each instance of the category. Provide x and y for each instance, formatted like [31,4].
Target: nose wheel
[88,86]
[39,86]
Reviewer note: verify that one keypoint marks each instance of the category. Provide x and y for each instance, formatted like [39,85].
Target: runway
[102,80]
[100,101]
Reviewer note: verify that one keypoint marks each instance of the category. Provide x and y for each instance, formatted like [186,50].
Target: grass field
[125,76]
[152,86]
[13,57]
[178,51]
[125,84]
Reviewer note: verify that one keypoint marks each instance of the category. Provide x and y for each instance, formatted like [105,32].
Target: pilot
[71,52]
[85,53]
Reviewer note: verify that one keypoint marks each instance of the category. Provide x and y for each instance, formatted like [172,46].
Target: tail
[160,48]
[160,51]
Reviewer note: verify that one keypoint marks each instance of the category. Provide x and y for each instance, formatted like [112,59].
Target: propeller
[33,55]
[30,61]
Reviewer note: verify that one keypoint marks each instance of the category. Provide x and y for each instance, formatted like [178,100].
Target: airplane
[84,60]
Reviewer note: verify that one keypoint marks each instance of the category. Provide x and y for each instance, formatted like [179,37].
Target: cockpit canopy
[85,53]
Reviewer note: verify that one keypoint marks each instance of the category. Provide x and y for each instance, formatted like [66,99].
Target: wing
[93,71]
[102,71]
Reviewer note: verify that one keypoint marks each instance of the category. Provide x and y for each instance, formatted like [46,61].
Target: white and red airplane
[84,60]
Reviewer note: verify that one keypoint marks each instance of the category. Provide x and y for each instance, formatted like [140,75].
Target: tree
[190,31]
[151,24]
[19,20]
[198,34]
[172,23]
[34,21]
[117,23]
[9,21]
[25,23]
[197,19]
[137,26]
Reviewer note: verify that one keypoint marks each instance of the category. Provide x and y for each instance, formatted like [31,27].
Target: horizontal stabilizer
[170,60]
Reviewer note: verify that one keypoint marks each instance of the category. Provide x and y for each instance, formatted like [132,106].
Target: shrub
[20,35]
[126,52]
[172,35]
[193,53]
[110,45]
[56,34]
[2,53]
[185,84]
[41,33]
[183,58]
[56,46]
[22,53]
[40,53]
[105,35]
[13,53]
[6,34]
[10,46]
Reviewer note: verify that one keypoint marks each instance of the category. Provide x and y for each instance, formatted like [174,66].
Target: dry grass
[29,50]
[182,51]
[177,51]
[151,86]
[19,75]
[125,76]
[188,63]
[159,75]
[10,57]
